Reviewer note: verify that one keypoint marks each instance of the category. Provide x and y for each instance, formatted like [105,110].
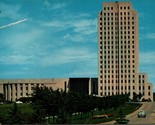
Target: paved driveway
[149,108]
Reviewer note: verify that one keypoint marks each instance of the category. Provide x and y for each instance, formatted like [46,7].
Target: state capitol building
[117,61]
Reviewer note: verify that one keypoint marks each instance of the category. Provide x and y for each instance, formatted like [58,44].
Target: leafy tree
[1,97]
[14,115]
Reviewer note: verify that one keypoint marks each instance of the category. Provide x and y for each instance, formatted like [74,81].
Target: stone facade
[118,52]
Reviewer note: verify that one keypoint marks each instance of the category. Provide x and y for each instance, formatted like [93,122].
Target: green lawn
[5,108]
[85,119]
[126,108]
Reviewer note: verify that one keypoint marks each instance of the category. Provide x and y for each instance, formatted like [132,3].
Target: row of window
[141,81]
[116,23]
[116,28]
[141,76]
[121,8]
[118,71]
[122,81]
[116,52]
[117,76]
[108,93]
[124,49]
[125,87]
[109,61]
[116,37]
[117,61]
[115,19]
[117,87]
[108,46]
[117,66]
[117,42]
[117,33]
[116,56]
[116,14]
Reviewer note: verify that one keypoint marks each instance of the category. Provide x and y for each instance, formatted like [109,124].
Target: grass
[25,109]
[127,108]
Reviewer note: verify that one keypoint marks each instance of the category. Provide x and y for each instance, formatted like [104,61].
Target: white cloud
[76,38]
[22,39]
[147,57]
[54,6]
[83,72]
[10,11]
[150,35]
[84,25]
[58,5]
[15,59]
[69,55]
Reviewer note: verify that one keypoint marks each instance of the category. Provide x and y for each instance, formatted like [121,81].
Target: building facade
[118,52]
[13,89]
[117,61]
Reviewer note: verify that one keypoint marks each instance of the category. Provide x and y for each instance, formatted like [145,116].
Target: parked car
[141,114]
[19,102]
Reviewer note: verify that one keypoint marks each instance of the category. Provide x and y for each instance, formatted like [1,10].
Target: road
[149,108]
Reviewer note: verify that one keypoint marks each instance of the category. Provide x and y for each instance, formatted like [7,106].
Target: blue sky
[58,38]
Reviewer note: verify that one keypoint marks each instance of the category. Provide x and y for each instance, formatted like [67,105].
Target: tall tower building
[118,52]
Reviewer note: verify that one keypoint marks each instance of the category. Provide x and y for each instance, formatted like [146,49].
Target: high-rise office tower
[118,52]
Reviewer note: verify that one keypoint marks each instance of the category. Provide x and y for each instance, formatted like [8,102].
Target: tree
[45,103]
[14,115]
[1,97]
[121,118]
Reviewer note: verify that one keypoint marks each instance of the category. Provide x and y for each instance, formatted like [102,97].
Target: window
[148,87]
[101,87]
